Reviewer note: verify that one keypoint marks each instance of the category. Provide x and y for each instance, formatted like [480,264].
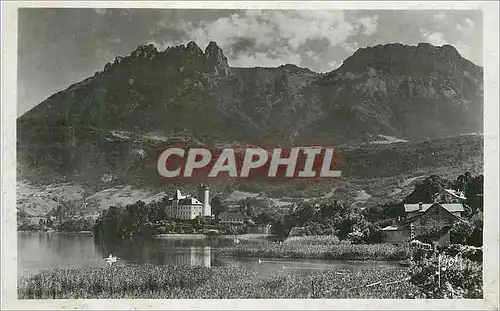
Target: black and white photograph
[245,152]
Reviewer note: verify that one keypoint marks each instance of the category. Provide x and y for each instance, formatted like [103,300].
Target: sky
[59,47]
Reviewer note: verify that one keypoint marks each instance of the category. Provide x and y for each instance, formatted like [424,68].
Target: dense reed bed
[307,250]
[168,282]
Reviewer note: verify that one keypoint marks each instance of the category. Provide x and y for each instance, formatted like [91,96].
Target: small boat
[111,259]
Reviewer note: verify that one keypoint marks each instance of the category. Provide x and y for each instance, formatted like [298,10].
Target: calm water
[38,251]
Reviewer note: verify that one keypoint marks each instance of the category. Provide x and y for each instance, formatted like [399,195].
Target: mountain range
[126,113]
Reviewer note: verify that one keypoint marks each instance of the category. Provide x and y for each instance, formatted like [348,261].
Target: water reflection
[38,251]
[183,252]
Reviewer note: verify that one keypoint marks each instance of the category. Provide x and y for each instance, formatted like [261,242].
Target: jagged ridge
[411,92]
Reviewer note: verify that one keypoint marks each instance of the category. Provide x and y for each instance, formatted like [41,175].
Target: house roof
[416,206]
[185,201]
[190,201]
[450,207]
[391,228]
[435,205]
[456,194]
[178,195]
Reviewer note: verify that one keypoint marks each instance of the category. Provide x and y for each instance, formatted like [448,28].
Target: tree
[303,213]
[474,193]
[268,216]
[461,232]
[217,206]
[425,191]
[384,212]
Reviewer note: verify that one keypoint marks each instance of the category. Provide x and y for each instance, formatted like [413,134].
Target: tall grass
[318,251]
[313,240]
[167,282]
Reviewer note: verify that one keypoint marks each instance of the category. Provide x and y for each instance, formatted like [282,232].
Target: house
[416,209]
[187,207]
[433,222]
[232,217]
[396,235]
[436,218]
[452,200]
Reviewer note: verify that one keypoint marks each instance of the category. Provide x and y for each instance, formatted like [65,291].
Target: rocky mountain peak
[409,92]
[213,49]
[296,69]
[145,52]
[400,59]
[193,48]
[216,60]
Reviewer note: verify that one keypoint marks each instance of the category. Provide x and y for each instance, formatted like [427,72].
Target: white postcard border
[491,167]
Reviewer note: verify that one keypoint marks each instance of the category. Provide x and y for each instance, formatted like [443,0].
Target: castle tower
[204,197]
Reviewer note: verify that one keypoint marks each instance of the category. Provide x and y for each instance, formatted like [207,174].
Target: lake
[40,250]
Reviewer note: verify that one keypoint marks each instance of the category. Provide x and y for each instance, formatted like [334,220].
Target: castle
[188,207]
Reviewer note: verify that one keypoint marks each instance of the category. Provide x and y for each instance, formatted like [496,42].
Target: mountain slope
[409,92]
[127,112]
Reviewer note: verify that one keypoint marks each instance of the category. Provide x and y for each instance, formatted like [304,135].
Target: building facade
[232,217]
[187,207]
[451,200]
[435,221]
[396,235]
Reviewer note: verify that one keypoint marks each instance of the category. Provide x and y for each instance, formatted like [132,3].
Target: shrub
[161,230]
[461,232]
[445,277]
[464,251]
[356,237]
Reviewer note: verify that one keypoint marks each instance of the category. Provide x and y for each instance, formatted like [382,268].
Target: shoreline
[86,232]
[180,235]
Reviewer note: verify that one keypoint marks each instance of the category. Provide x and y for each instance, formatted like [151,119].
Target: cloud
[350,47]
[434,38]
[163,44]
[291,27]
[437,38]
[274,37]
[311,54]
[104,55]
[115,40]
[439,16]
[466,26]
[334,65]
[368,24]
[274,58]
